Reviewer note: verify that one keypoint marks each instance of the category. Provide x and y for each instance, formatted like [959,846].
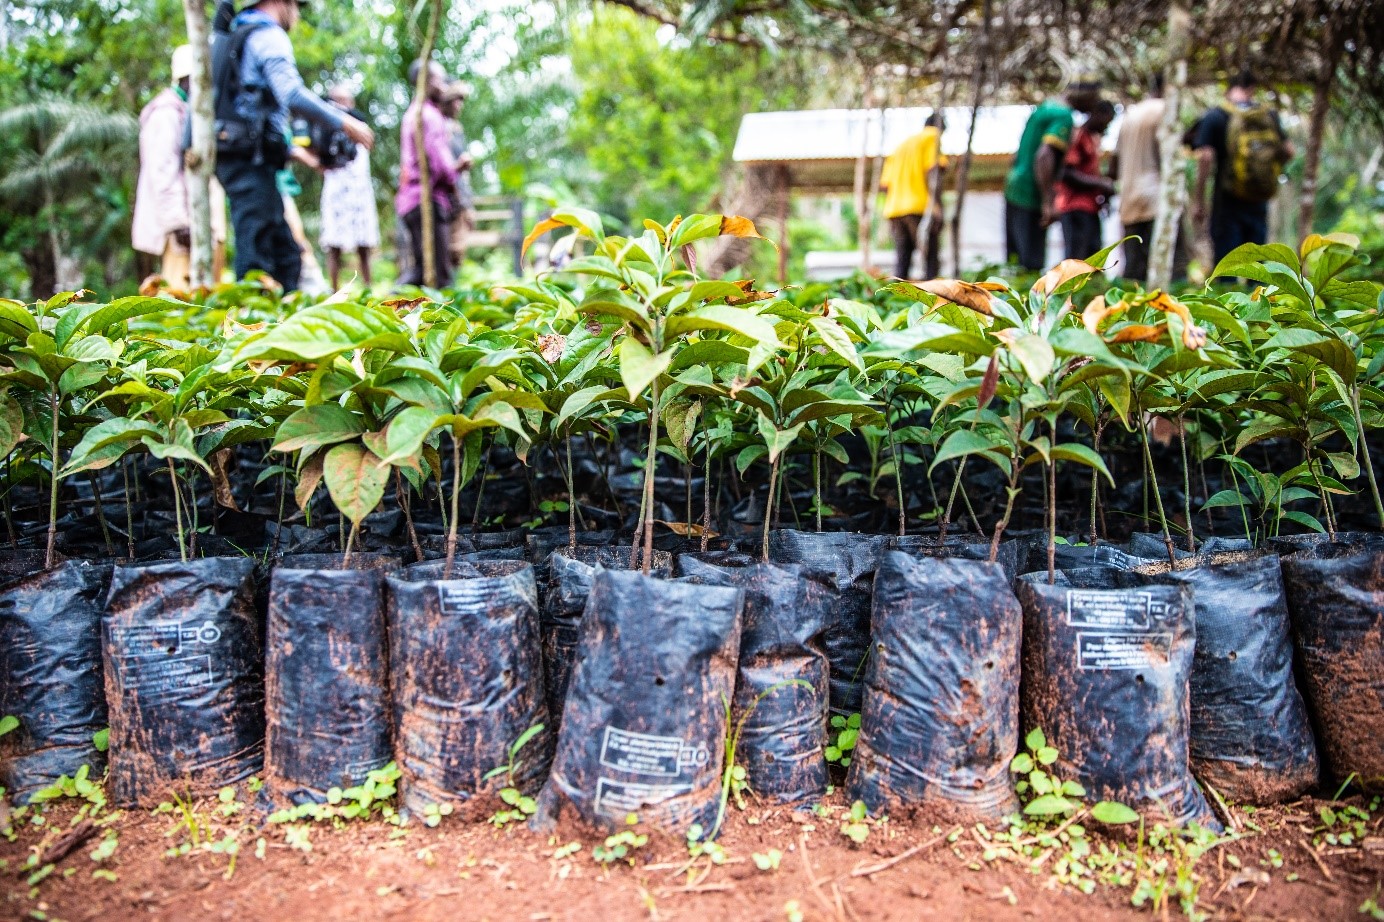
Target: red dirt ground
[472,871]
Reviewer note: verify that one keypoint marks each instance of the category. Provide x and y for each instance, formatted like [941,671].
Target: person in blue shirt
[251,127]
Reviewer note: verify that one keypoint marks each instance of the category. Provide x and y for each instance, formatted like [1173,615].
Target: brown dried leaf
[1139,333]
[151,285]
[1064,271]
[736,226]
[1193,336]
[686,529]
[550,346]
[308,480]
[220,481]
[403,305]
[967,294]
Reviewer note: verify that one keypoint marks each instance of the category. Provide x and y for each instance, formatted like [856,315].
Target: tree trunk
[1172,187]
[862,163]
[1316,126]
[201,156]
[426,207]
[756,196]
[963,172]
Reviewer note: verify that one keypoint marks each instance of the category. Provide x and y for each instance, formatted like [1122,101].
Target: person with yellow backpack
[1242,142]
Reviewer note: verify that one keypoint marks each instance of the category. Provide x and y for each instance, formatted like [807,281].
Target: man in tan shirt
[1136,168]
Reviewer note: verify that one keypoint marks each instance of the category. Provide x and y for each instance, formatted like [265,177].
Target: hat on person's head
[1085,82]
[457,89]
[182,62]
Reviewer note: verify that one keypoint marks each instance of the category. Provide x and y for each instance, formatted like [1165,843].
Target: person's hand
[1107,186]
[306,157]
[182,236]
[358,131]
[466,162]
[1198,215]
[1049,215]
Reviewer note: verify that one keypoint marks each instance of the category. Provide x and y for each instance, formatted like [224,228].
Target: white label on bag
[644,754]
[1101,652]
[165,676]
[1109,608]
[621,798]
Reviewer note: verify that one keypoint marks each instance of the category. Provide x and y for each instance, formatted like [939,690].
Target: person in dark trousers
[443,175]
[1031,187]
[1242,144]
[911,175]
[1082,191]
[256,85]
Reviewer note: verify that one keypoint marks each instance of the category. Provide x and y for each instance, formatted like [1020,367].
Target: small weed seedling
[698,846]
[519,806]
[372,798]
[768,861]
[847,731]
[855,826]
[621,845]
[734,779]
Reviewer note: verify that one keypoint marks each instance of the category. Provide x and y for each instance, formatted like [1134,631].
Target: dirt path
[472,871]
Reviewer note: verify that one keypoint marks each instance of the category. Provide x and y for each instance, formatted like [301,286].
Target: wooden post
[200,159]
[425,203]
[1316,126]
[862,223]
[1172,187]
[963,172]
[785,192]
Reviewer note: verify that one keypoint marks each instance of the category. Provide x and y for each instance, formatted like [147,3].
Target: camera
[332,146]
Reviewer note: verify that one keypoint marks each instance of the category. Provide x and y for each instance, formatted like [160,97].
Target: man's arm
[1047,169]
[281,73]
[1206,165]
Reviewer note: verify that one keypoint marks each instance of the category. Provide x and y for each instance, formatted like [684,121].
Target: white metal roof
[840,134]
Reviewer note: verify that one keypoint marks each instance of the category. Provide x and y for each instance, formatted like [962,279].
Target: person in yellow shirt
[910,174]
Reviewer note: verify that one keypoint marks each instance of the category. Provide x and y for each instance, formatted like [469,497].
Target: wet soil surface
[475,872]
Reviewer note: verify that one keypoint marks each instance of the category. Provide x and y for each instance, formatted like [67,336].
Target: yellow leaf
[541,228]
[736,226]
[1193,336]
[1097,312]
[686,529]
[1064,271]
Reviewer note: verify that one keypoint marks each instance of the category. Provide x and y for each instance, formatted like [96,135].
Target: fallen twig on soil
[907,853]
[65,845]
[1321,865]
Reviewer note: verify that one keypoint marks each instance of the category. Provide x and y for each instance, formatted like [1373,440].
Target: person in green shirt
[1032,182]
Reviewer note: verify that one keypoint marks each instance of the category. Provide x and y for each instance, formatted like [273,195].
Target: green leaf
[312,427]
[837,340]
[404,436]
[101,739]
[777,440]
[1262,429]
[1225,498]
[1022,764]
[1035,739]
[1049,805]
[1248,261]
[964,442]
[1113,814]
[8,724]
[723,317]
[16,321]
[355,479]
[1046,755]
[1035,354]
[1082,454]
[99,318]
[639,366]
[325,330]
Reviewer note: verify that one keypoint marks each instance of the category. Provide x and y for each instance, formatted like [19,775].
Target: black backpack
[247,136]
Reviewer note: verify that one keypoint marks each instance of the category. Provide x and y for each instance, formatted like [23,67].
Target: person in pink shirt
[442,172]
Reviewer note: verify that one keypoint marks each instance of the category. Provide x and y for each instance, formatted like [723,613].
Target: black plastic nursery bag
[941,717]
[851,560]
[327,720]
[50,675]
[1107,656]
[644,729]
[1009,555]
[467,681]
[1336,602]
[781,684]
[184,666]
